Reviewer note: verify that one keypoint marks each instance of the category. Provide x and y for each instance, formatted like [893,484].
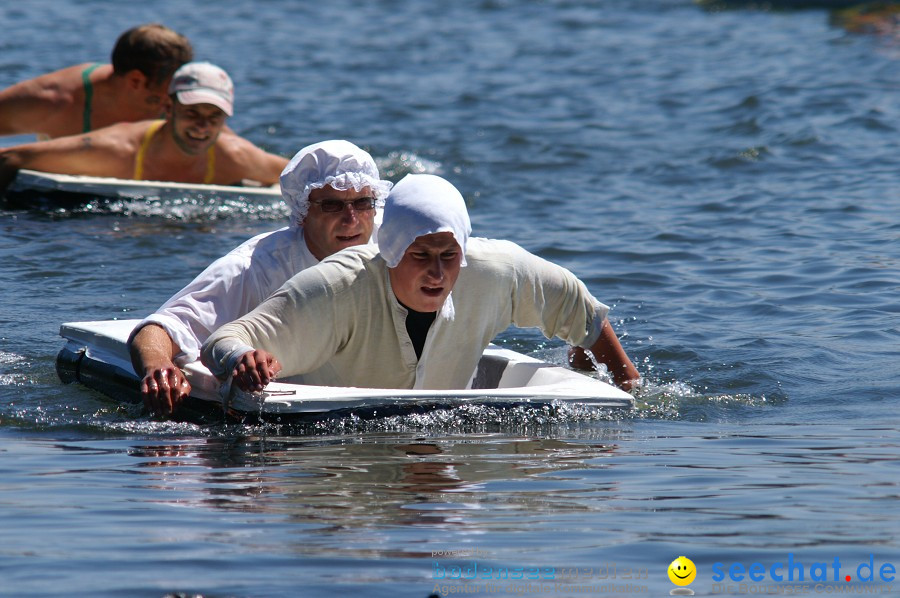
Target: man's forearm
[220,355]
[608,350]
[150,348]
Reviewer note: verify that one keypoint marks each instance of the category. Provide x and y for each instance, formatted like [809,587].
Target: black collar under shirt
[417,325]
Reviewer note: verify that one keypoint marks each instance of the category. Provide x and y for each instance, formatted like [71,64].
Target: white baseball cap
[203,83]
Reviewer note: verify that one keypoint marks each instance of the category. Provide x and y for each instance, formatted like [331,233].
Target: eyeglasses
[360,204]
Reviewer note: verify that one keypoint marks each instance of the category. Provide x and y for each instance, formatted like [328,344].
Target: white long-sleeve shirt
[340,324]
[230,287]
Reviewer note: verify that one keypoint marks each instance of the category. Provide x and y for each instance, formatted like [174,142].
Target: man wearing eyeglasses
[332,188]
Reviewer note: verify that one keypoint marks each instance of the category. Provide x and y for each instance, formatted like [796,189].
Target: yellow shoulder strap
[145,142]
[210,165]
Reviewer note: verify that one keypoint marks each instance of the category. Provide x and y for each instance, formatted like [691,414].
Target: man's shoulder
[349,271]
[56,85]
[356,255]
[496,260]
[351,263]
[269,244]
[234,154]
[111,148]
[271,240]
[240,158]
[46,104]
[259,262]
[285,247]
[121,136]
[488,250]
[236,148]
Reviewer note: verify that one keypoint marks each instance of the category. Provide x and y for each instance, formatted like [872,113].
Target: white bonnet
[421,204]
[335,163]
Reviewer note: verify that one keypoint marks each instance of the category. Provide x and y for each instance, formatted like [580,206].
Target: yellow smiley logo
[682,571]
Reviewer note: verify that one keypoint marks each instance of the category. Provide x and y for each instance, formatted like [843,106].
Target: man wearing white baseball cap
[192,145]
[203,83]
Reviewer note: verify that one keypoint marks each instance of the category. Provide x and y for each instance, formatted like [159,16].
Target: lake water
[726,180]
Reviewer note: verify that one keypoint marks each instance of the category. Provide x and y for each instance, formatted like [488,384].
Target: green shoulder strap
[88,96]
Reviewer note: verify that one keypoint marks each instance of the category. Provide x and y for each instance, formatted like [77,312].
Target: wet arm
[608,350]
[163,385]
[251,163]
[96,153]
[563,307]
[264,168]
[272,167]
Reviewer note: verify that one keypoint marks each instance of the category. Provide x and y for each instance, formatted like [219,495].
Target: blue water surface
[726,180]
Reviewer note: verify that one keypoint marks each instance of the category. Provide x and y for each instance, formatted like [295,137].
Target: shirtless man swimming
[88,96]
[192,145]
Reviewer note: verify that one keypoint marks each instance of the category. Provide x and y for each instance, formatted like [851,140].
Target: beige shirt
[339,323]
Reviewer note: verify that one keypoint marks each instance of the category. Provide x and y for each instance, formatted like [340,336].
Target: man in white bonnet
[418,314]
[332,188]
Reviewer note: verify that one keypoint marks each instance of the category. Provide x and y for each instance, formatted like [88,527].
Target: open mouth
[432,291]
[348,238]
[195,137]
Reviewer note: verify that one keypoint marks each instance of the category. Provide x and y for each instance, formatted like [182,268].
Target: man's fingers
[163,392]
[245,372]
[156,397]
[275,366]
[246,368]
[178,385]
[255,370]
[148,391]
[164,389]
[171,380]
[264,371]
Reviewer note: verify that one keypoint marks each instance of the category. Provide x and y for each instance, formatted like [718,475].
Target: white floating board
[96,355]
[112,188]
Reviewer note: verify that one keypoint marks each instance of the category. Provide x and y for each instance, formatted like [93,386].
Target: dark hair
[153,49]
